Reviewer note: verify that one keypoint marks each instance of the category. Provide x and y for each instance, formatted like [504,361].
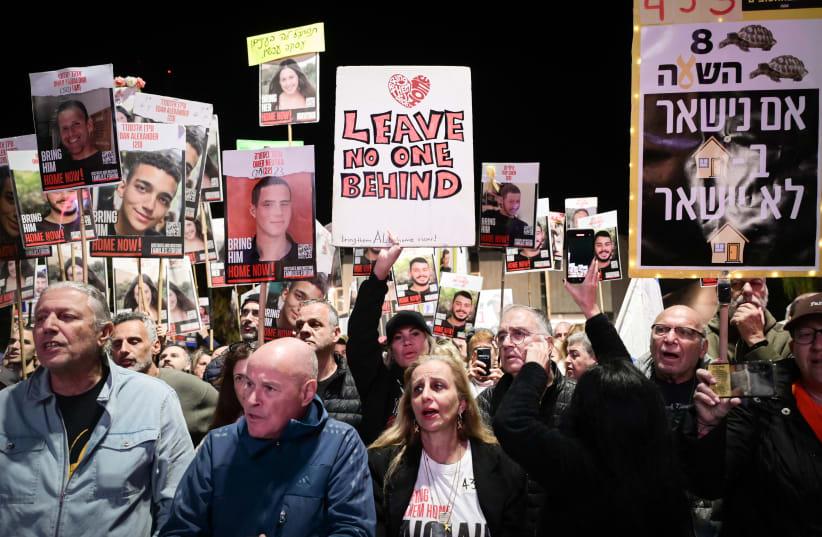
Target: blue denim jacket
[124,484]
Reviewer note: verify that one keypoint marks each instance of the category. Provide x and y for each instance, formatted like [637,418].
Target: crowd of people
[530,429]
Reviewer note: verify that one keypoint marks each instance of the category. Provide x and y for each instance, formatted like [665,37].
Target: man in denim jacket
[86,447]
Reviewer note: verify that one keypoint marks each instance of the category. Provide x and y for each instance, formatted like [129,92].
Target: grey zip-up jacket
[124,483]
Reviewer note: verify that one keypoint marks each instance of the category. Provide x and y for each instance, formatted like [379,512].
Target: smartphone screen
[749,379]
[484,356]
[579,245]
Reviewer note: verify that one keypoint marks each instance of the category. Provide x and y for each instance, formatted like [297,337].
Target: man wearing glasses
[522,331]
[753,333]
[768,444]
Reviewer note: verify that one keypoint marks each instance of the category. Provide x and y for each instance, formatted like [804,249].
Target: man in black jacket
[318,325]
[520,326]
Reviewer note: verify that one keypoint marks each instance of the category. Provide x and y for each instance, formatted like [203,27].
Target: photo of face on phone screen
[579,245]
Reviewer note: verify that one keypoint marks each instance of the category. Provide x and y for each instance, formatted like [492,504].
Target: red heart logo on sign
[408,93]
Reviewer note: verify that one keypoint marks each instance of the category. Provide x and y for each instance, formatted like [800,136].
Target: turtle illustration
[786,66]
[751,36]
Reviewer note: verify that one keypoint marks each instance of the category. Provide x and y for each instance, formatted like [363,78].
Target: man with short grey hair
[284,468]
[134,344]
[102,447]
[318,325]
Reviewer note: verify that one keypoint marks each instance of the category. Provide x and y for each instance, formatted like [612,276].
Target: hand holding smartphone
[580,252]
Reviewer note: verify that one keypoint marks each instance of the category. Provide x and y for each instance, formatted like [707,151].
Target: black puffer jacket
[554,402]
[766,461]
[340,396]
[380,387]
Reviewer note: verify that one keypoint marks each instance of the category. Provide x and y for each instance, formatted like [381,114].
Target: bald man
[678,347]
[315,479]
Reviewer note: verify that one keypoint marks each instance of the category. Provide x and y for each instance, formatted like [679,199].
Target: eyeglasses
[682,332]
[517,336]
[805,336]
[756,284]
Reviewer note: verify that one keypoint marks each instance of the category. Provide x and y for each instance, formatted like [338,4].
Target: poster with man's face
[364,259]
[577,209]
[211,185]
[183,307]
[270,215]
[290,90]
[137,287]
[606,244]
[11,243]
[414,276]
[509,204]
[196,117]
[75,127]
[66,264]
[403,157]
[47,217]
[143,215]
[457,305]
[540,257]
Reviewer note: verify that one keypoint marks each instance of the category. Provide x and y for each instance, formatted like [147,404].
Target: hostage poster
[269,216]
[74,122]
[728,149]
[143,215]
[196,117]
[403,157]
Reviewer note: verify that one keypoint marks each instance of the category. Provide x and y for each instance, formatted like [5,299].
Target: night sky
[551,91]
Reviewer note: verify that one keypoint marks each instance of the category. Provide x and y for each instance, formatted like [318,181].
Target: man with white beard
[753,333]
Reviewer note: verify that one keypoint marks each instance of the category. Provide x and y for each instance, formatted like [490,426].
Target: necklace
[443,517]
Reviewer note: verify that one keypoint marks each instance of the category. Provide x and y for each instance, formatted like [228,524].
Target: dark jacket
[554,402]
[312,481]
[766,461]
[580,498]
[339,395]
[500,487]
[380,386]
[778,339]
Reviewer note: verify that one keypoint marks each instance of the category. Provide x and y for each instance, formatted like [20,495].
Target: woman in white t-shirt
[438,470]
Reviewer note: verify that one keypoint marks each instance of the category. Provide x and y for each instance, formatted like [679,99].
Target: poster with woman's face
[183,307]
[66,264]
[290,90]
[143,215]
[136,287]
[556,223]
[48,217]
[9,282]
[75,127]
[194,236]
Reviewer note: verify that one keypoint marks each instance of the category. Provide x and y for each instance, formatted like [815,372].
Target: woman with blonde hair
[438,467]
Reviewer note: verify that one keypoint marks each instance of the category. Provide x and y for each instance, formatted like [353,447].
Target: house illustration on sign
[727,245]
[711,159]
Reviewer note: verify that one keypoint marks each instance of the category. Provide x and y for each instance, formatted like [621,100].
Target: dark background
[543,91]
[552,87]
